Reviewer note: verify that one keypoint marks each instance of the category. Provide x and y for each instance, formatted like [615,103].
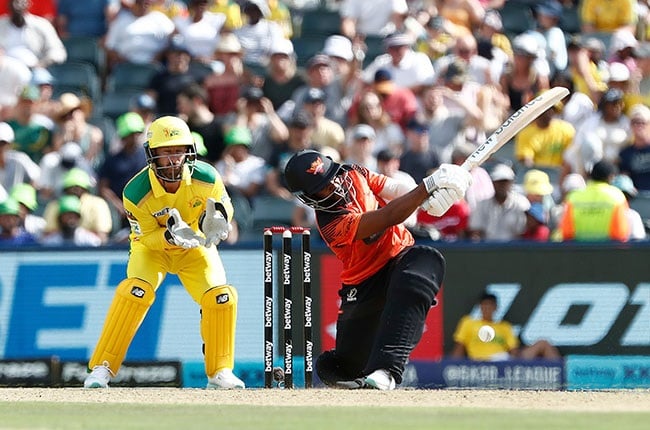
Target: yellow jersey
[504,340]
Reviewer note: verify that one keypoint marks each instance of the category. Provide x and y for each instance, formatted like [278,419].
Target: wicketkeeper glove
[179,233]
[214,223]
[448,176]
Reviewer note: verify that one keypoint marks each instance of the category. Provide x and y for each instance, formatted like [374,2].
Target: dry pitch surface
[602,401]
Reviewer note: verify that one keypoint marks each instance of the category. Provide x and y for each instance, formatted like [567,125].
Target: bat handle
[468,165]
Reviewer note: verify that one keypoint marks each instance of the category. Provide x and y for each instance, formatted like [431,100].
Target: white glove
[448,176]
[440,201]
[179,233]
[214,224]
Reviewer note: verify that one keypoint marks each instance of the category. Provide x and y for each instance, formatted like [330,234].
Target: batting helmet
[164,132]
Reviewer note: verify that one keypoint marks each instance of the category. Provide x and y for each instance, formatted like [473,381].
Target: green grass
[42,415]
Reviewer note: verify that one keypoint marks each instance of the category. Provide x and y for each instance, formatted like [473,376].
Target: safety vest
[596,212]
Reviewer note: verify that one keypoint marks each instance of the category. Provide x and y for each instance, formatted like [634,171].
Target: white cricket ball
[486,333]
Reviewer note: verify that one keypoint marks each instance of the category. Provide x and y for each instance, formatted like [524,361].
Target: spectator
[577,106]
[176,75]
[479,69]
[360,149]
[137,35]
[418,159]
[30,38]
[31,137]
[637,228]
[438,41]
[481,187]
[621,49]
[15,166]
[505,344]
[191,103]
[69,230]
[571,182]
[14,76]
[602,136]
[641,82]
[537,188]
[258,33]
[537,229]
[145,106]
[620,78]
[598,212]
[464,16]
[73,126]
[46,108]
[119,168]
[327,133]
[281,78]
[232,11]
[346,62]
[85,18]
[492,42]
[25,195]
[409,69]
[389,135]
[55,165]
[549,35]
[47,9]
[94,210]
[635,158]
[171,8]
[281,14]
[606,16]
[358,20]
[584,72]
[11,232]
[503,217]
[200,29]
[224,87]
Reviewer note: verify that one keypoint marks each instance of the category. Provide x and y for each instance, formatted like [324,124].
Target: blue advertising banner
[601,372]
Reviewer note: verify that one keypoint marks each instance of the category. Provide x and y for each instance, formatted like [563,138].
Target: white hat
[525,44]
[6,133]
[502,172]
[70,151]
[622,39]
[283,46]
[640,111]
[573,181]
[363,131]
[618,72]
[338,46]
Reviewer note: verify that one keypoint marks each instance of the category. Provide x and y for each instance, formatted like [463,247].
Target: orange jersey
[361,258]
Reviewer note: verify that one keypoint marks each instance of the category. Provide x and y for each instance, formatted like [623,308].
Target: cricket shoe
[353,384]
[99,377]
[225,380]
[380,379]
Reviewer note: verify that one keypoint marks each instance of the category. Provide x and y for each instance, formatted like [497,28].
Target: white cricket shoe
[225,379]
[99,377]
[381,379]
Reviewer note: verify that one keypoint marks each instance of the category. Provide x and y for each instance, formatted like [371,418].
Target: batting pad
[132,300]
[218,320]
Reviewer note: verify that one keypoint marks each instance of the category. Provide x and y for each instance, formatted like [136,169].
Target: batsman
[179,211]
[388,283]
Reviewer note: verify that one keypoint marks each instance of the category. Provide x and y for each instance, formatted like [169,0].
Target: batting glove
[448,176]
[179,233]
[441,200]
[214,223]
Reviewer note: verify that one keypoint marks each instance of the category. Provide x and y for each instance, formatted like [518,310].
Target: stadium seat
[374,48]
[516,17]
[270,211]
[131,76]
[306,47]
[115,104]
[86,49]
[641,203]
[320,22]
[79,77]
[570,20]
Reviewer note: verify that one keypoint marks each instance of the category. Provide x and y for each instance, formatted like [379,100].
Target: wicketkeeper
[179,212]
[388,283]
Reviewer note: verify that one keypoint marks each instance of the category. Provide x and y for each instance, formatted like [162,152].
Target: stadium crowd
[398,88]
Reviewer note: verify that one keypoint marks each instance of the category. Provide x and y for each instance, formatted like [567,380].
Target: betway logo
[309,356]
[268,267]
[603,304]
[306,269]
[308,301]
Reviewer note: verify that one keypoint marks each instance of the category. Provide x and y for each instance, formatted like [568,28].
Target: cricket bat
[513,125]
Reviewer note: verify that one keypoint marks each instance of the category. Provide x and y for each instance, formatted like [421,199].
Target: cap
[625,184]
[640,112]
[338,46]
[238,136]
[319,60]
[502,172]
[6,133]
[387,155]
[436,23]
[622,39]
[525,45]
[283,47]
[9,206]
[76,177]
[143,102]
[618,72]
[537,182]
[70,151]
[177,44]
[67,103]
[25,194]
[301,119]
[252,93]
[642,50]
[612,95]
[417,126]
[30,92]
[129,123]
[363,131]
[603,171]
[228,44]
[314,95]
[536,210]
[397,39]
[41,76]
[573,181]
[384,81]
[262,5]
[456,71]
[492,19]
[69,203]
[550,8]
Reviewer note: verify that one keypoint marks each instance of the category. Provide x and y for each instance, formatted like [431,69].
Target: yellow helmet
[169,131]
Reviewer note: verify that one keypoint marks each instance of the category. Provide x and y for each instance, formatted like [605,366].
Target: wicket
[287,303]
